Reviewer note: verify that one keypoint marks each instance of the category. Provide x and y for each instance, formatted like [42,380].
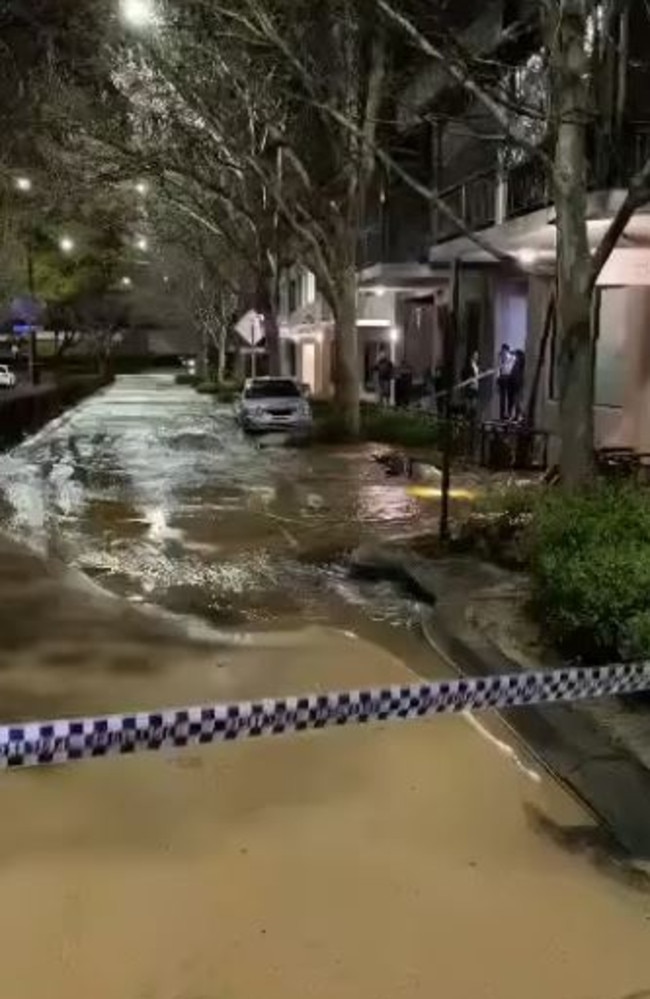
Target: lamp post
[31,285]
[393,339]
[449,341]
[23,184]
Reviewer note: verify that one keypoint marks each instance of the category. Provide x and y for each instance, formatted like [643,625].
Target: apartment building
[505,198]
[307,343]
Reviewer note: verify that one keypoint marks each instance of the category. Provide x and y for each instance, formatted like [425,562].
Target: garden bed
[588,558]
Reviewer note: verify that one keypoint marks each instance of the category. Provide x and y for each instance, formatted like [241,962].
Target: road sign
[251,327]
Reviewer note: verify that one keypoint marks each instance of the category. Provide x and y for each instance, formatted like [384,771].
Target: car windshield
[279,388]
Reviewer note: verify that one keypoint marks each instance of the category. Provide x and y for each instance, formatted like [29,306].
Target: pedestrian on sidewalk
[384,372]
[403,385]
[472,377]
[516,386]
[504,371]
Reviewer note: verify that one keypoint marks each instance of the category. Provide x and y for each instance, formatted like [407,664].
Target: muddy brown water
[397,860]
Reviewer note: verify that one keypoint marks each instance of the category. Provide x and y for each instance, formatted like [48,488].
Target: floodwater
[396,860]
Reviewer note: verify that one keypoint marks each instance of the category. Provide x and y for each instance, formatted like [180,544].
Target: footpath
[476,620]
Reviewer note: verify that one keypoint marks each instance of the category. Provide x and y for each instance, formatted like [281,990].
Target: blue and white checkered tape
[39,743]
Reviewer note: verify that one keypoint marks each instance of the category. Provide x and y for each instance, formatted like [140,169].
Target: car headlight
[259,412]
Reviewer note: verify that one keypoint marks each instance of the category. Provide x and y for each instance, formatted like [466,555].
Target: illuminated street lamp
[139,14]
[142,243]
[126,281]
[23,184]
[66,244]
[142,187]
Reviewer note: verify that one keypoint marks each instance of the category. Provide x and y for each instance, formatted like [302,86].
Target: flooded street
[152,491]
[398,860]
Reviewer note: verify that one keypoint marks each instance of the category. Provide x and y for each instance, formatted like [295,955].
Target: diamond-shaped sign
[251,327]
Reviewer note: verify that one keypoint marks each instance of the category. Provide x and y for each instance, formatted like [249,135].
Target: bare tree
[232,114]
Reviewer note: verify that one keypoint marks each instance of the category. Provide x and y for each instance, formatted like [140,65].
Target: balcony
[475,202]
[491,198]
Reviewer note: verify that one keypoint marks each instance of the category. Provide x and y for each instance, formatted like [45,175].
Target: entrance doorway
[308,373]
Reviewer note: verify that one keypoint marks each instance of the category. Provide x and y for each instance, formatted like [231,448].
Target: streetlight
[142,243]
[66,244]
[142,187]
[126,281]
[23,184]
[139,14]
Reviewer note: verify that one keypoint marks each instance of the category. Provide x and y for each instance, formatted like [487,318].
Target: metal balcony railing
[474,202]
[490,197]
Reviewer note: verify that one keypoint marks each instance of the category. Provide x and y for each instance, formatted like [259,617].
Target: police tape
[40,743]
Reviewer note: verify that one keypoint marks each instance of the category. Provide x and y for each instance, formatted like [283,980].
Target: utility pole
[449,341]
[33,372]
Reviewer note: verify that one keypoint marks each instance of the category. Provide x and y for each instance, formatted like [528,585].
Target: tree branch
[461,76]
[637,195]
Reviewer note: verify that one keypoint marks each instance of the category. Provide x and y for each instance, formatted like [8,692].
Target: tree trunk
[266,306]
[221,354]
[576,356]
[346,374]
[549,326]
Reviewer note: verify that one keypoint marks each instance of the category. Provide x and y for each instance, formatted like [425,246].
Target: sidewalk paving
[600,749]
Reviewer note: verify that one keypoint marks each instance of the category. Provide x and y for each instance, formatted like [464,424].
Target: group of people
[510,382]
[395,384]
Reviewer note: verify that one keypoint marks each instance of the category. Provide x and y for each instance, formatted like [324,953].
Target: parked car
[271,404]
[7,377]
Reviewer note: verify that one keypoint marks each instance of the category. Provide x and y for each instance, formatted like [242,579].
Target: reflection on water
[151,489]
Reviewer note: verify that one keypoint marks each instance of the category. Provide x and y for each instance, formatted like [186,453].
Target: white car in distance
[271,404]
[7,377]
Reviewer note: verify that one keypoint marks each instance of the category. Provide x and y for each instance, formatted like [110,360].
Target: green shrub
[225,392]
[401,427]
[408,428]
[513,502]
[590,565]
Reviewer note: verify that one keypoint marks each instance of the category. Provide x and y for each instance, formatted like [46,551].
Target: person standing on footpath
[384,369]
[472,378]
[516,386]
[504,371]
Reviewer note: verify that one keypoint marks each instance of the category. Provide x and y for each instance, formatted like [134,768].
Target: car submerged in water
[273,404]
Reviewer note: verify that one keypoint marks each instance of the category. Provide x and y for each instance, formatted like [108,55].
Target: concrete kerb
[606,777]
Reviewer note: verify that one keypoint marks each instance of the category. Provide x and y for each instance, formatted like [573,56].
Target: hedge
[589,558]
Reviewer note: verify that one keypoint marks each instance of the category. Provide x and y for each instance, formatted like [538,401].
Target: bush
[590,564]
[514,503]
[406,428]
[224,391]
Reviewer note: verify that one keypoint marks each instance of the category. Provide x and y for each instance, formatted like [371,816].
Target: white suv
[7,377]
